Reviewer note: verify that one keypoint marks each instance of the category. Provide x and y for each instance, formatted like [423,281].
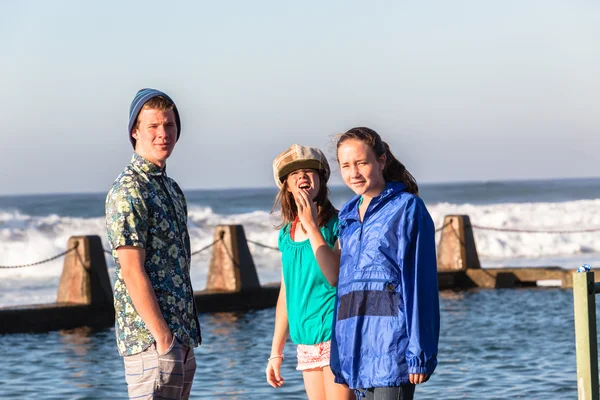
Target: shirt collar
[350,210]
[144,166]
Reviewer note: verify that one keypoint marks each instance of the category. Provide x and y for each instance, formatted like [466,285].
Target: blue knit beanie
[138,102]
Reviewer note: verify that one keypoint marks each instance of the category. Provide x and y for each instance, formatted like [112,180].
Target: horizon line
[341,185]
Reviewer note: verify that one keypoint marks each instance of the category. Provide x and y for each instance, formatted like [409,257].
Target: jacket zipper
[359,245]
[360,232]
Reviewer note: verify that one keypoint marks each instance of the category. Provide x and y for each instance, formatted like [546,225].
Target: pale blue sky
[461,89]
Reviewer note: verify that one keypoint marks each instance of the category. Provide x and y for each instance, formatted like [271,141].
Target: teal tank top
[310,298]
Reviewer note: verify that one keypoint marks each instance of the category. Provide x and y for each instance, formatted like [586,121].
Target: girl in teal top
[307,239]
[309,297]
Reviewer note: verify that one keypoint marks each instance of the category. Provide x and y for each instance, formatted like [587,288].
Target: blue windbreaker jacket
[387,317]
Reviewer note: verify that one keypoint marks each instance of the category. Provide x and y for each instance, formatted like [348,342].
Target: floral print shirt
[147,209]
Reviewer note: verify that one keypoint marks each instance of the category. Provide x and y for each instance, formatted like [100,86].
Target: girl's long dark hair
[394,170]
[285,202]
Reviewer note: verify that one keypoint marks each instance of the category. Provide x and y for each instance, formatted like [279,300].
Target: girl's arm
[327,258]
[280,336]
[420,290]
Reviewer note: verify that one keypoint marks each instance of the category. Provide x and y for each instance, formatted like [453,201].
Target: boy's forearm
[144,300]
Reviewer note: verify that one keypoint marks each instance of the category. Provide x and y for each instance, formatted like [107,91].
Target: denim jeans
[403,392]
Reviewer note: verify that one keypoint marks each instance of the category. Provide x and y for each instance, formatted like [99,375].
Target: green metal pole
[586,339]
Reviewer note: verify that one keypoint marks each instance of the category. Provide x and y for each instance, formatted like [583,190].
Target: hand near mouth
[307,209]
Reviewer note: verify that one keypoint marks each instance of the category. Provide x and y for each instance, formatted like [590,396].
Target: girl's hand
[417,378]
[307,209]
[273,372]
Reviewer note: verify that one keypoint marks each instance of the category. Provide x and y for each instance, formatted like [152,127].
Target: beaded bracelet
[278,356]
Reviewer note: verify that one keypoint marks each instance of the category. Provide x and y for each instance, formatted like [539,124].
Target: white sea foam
[26,239]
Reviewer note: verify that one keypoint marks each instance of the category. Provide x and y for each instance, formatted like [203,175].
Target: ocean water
[495,343]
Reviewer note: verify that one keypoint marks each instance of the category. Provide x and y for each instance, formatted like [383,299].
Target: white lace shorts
[313,355]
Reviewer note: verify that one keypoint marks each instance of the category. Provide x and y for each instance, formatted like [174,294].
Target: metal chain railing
[105,251]
[206,247]
[192,254]
[443,226]
[518,230]
[496,229]
[474,226]
[215,242]
[40,262]
[262,245]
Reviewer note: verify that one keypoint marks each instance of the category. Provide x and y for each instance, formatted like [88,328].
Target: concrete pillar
[456,250]
[231,266]
[84,278]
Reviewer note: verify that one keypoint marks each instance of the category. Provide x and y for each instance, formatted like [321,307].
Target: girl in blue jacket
[386,318]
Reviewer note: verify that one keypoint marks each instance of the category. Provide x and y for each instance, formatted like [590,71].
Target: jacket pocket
[369,303]
[371,320]
[369,297]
